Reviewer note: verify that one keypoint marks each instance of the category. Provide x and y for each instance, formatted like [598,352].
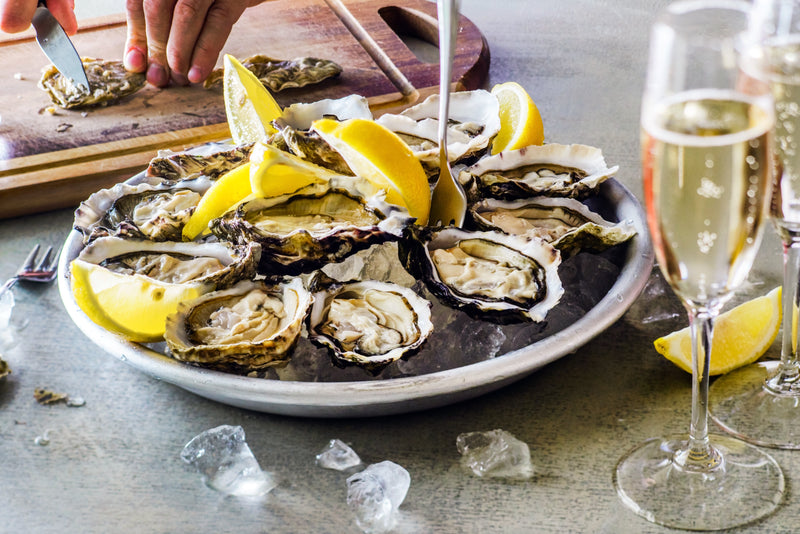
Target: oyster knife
[56,45]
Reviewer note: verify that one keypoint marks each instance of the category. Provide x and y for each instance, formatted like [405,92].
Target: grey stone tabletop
[114,465]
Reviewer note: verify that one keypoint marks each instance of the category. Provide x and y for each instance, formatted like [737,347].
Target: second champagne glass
[706,159]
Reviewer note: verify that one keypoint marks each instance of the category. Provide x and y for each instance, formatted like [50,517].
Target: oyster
[211,160]
[369,323]
[495,276]
[108,83]
[566,223]
[318,224]
[551,170]
[143,211]
[213,263]
[248,327]
[278,74]
[474,121]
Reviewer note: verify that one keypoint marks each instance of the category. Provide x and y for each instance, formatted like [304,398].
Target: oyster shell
[248,327]
[566,223]
[143,211]
[369,323]
[211,160]
[279,74]
[108,83]
[318,224]
[216,264]
[495,276]
[551,170]
[474,121]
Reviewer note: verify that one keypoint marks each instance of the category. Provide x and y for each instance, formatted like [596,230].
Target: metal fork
[31,271]
[448,203]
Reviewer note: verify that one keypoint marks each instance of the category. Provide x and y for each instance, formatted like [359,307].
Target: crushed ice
[227,464]
[495,454]
[338,455]
[375,495]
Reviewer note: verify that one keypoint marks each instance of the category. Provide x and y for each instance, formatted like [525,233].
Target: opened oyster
[279,74]
[496,276]
[211,160]
[143,211]
[248,327]
[474,121]
[551,170]
[369,323]
[321,223]
[109,82]
[215,264]
[566,223]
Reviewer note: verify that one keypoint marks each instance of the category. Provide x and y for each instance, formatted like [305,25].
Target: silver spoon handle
[448,31]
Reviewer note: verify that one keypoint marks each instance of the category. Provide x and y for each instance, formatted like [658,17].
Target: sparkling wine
[706,162]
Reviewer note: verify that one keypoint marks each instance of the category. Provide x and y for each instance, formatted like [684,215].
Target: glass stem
[699,454]
[789,372]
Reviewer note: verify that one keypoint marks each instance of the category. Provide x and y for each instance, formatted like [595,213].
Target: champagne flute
[706,167]
[761,403]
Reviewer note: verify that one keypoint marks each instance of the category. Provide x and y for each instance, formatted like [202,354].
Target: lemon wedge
[741,336]
[131,305]
[378,155]
[227,191]
[275,172]
[249,106]
[520,121]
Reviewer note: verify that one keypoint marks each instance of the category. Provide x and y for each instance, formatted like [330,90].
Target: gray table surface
[113,465]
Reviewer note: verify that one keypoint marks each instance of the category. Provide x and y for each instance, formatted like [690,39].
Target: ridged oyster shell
[211,160]
[280,74]
[144,211]
[369,323]
[248,327]
[492,275]
[568,224]
[109,82]
[474,121]
[215,264]
[551,170]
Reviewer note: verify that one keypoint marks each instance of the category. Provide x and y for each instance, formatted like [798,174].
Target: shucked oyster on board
[249,327]
[280,74]
[109,82]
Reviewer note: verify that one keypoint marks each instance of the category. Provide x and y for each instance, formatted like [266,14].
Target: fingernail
[135,60]
[157,75]
[195,75]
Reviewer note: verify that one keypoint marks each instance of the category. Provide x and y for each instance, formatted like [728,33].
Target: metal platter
[392,395]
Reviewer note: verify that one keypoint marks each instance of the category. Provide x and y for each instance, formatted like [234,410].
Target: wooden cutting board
[50,161]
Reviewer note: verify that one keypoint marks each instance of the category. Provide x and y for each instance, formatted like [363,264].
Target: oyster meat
[568,224]
[215,264]
[211,160]
[248,327]
[474,121]
[109,82]
[369,323]
[552,170]
[278,74]
[143,211]
[492,275]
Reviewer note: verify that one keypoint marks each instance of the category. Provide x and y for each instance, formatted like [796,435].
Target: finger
[158,18]
[221,17]
[187,21]
[16,15]
[135,57]
[64,12]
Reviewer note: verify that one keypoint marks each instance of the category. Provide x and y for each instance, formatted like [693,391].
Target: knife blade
[57,46]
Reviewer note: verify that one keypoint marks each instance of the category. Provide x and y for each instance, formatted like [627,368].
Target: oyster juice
[710,150]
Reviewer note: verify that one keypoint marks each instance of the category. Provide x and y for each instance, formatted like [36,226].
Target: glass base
[741,405]
[747,486]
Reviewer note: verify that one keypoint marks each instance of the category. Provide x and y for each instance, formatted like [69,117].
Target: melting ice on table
[224,459]
[496,454]
[338,455]
[376,493]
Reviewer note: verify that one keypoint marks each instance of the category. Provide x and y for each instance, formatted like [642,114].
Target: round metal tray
[395,395]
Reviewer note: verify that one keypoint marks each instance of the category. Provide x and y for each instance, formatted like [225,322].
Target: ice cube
[376,493]
[224,459]
[496,454]
[6,306]
[338,455]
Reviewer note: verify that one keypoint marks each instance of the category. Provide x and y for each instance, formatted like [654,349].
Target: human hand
[178,39]
[16,15]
